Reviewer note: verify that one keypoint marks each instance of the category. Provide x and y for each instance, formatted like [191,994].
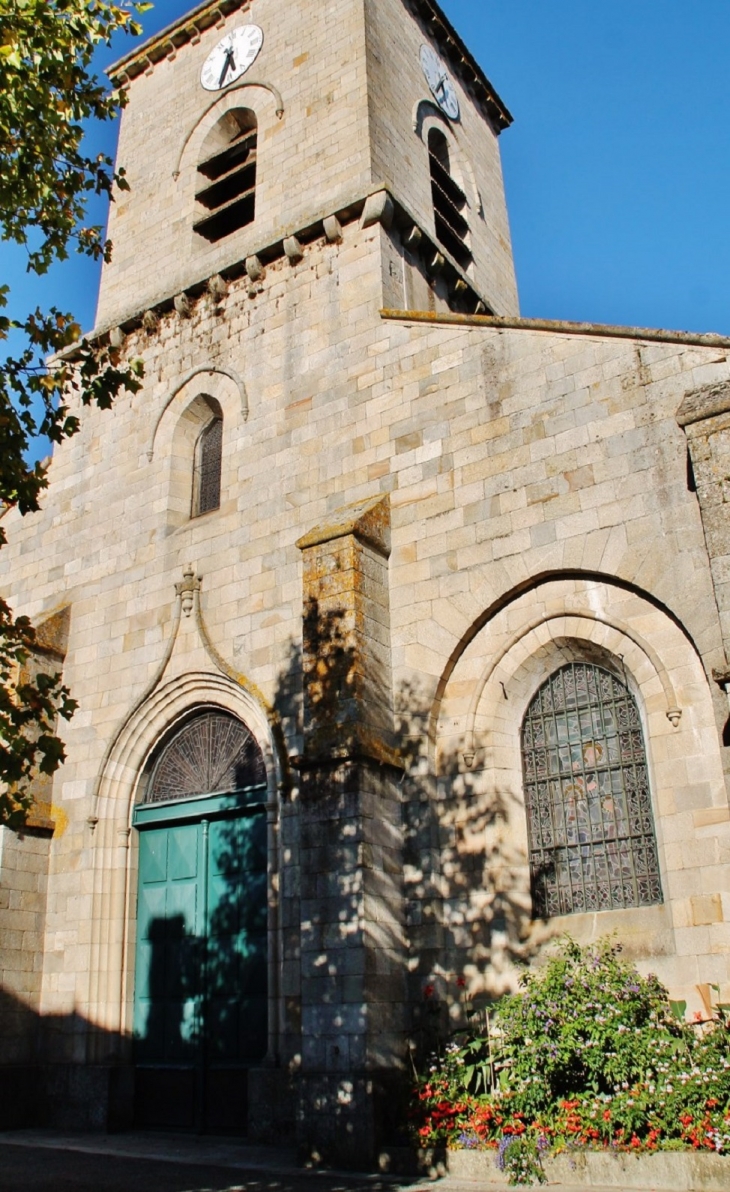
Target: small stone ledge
[368,521]
[707,402]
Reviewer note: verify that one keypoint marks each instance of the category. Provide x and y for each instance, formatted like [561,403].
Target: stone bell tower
[330,113]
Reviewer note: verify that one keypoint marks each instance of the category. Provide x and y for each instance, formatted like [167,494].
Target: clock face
[232,57]
[440,82]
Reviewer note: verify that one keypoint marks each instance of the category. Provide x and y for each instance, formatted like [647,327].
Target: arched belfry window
[449,200]
[213,753]
[207,468]
[589,818]
[227,176]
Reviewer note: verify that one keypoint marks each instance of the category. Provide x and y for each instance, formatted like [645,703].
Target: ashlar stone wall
[539,506]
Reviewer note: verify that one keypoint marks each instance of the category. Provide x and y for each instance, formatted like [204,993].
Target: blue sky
[617,166]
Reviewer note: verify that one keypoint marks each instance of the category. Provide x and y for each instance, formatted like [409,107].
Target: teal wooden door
[200,1006]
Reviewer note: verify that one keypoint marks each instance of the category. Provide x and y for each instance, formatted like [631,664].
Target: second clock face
[440,82]
[232,57]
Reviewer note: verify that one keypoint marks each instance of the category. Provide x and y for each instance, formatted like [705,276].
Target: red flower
[461,982]
[428,991]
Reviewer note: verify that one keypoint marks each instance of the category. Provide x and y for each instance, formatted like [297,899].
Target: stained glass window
[589,818]
[213,753]
[208,457]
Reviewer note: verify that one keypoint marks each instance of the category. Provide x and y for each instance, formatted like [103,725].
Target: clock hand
[229,64]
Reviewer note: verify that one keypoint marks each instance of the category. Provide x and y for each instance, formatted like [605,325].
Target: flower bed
[588,1055]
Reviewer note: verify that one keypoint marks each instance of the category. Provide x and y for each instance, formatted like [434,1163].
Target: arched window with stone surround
[207,468]
[590,826]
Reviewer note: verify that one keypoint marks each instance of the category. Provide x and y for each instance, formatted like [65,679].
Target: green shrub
[589,1054]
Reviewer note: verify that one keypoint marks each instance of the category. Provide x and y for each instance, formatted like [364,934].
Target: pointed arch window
[589,818]
[227,176]
[449,200]
[207,469]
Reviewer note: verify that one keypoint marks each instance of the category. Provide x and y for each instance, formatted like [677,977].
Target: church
[398,623]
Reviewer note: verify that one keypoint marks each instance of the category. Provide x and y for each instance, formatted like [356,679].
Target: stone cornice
[189,28]
[433,256]
[462,61]
[168,41]
[560,327]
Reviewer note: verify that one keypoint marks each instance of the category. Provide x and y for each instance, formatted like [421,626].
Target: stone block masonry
[423,518]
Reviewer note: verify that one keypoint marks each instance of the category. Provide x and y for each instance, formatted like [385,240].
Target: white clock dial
[440,82]
[232,57]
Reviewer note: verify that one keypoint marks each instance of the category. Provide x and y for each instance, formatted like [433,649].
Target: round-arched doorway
[200,993]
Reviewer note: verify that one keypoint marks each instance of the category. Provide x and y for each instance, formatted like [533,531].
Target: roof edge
[463,61]
[167,41]
[560,327]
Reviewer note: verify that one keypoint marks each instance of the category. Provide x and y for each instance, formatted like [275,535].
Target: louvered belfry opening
[589,816]
[227,176]
[208,461]
[449,201]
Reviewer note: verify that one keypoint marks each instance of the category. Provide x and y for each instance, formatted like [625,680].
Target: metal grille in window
[229,189]
[208,468]
[449,201]
[589,818]
[214,753]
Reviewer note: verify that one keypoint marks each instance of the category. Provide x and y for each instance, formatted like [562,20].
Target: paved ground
[41,1161]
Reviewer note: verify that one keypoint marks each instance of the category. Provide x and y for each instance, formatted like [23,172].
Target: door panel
[201,971]
[166,1020]
[237,954]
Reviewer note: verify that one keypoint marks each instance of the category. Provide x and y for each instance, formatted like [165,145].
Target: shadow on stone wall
[64,1095]
[405,891]
[393,881]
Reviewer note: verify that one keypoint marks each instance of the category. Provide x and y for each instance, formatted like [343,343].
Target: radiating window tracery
[213,753]
[589,818]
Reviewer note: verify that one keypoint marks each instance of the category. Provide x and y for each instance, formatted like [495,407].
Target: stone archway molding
[216,102]
[486,603]
[209,370]
[673,711]
[113,893]
[426,110]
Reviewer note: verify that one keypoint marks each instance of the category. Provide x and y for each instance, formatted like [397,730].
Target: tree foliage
[48,92]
